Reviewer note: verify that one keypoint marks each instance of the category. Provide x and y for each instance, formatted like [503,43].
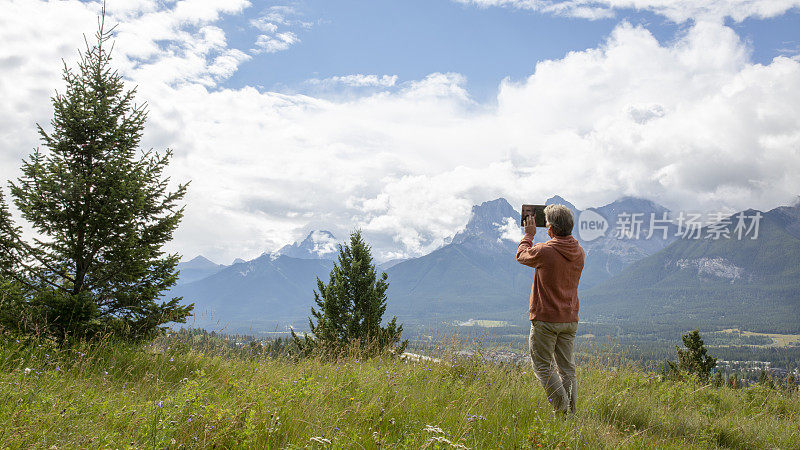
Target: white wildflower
[433,429]
[444,440]
[27,370]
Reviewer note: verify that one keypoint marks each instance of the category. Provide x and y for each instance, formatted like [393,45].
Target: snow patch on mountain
[323,243]
[247,268]
[715,267]
[508,229]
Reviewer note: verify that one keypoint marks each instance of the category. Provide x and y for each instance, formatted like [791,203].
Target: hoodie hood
[567,246]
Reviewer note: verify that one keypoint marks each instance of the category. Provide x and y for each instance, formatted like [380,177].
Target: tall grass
[180,392]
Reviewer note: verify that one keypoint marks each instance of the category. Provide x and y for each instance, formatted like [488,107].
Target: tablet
[529,210]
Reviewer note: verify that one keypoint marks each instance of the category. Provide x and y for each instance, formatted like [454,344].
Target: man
[554,304]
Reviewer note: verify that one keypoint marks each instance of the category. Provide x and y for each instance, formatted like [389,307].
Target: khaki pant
[550,344]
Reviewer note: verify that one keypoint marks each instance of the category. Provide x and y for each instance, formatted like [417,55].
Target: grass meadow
[175,394]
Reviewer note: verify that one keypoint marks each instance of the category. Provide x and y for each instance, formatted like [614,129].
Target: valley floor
[173,394]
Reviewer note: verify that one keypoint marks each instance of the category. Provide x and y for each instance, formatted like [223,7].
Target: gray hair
[560,217]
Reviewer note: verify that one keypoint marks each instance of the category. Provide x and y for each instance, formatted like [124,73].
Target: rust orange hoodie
[558,263]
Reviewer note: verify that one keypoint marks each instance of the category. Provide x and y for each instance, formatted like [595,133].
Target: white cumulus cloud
[509,229]
[272,40]
[357,80]
[276,42]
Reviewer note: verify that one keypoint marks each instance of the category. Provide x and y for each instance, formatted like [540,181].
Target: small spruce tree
[351,307]
[694,358]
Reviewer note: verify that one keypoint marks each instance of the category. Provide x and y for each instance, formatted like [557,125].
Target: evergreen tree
[694,358]
[102,211]
[9,241]
[351,306]
[10,289]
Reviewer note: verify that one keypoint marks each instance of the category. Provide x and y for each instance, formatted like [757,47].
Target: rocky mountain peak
[559,200]
[634,204]
[199,262]
[488,220]
[319,244]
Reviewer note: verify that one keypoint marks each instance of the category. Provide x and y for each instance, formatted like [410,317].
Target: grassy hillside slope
[172,394]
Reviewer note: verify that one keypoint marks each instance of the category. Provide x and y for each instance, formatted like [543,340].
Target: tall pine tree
[351,307]
[102,211]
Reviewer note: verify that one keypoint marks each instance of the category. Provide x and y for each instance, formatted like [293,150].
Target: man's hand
[530,225]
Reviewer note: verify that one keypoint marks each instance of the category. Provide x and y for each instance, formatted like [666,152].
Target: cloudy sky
[396,116]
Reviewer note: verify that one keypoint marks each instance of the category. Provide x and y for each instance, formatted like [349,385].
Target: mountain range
[727,282]
[475,275]
[261,294]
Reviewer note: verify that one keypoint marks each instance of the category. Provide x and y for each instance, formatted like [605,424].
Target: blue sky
[397,117]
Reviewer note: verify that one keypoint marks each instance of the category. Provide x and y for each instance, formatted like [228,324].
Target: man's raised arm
[527,253]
